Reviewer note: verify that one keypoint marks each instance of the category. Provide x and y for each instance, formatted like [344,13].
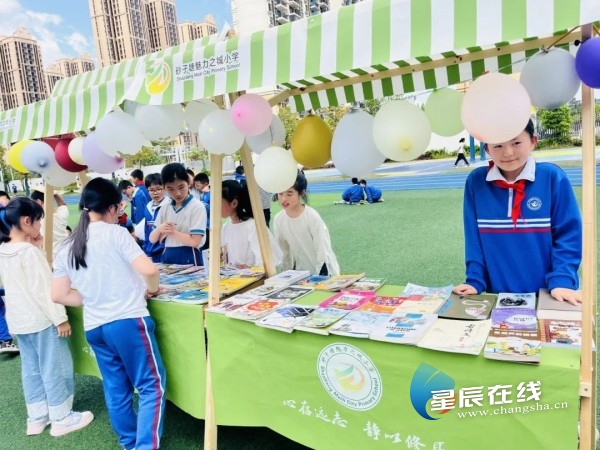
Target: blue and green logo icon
[425,380]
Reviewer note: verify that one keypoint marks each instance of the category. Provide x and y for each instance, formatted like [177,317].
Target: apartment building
[190,30]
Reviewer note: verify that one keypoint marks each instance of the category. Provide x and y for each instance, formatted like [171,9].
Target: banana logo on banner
[158,77]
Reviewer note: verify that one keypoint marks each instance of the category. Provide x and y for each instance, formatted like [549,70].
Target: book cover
[312,281]
[516,300]
[429,293]
[265,289]
[550,308]
[339,282]
[381,304]
[169,269]
[403,328]
[176,279]
[514,318]
[256,309]
[194,269]
[347,299]
[421,306]
[232,303]
[291,293]
[320,319]
[467,307]
[288,277]
[522,346]
[191,296]
[358,323]
[368,284]
[457,336]
[230,285]
[561,333]
[286,317]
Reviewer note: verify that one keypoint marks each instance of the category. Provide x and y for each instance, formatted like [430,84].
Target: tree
[558,121]
[372,106]
[290,122]
[333,114]
[197,154]
[145,157]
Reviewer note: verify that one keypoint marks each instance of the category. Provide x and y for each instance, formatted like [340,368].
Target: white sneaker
[73,422]
[35,427]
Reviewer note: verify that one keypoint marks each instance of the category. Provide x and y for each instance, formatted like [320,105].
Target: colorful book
[169,269]
[232,303]
[265,289]
[286,317]
[421,306]
[339,282]
[347,299]
[291,293]
[176,279]
[256,309]
[468,307]
[514,318]
[403,328]
[429,293]
[190,296]
[381,304]
[457,336]
[358,324]
[312,281]
[561,333]
[521,346]
[368,284]
[288,277]
[550,308]
[228,286]
[320,319]
[516,300]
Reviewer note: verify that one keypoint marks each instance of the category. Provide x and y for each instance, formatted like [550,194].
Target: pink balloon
[61,152]
[251,114]
[96,159]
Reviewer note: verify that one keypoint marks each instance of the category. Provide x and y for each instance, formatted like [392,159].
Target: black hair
[138,174]
[124,184]
[300,185]
[461,140]
[530,129]
[363,181]
[37,195]
[190,172]
[202,178]
[68,228]
[4,194]
[354,180]
[235,190]
[152,179]
[240,170]
[173,172]
[99,195]
[10,216]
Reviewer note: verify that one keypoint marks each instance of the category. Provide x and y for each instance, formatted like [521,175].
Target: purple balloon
[96,159]
[587,62]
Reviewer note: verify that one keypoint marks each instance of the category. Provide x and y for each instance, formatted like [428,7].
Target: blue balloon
[587,62]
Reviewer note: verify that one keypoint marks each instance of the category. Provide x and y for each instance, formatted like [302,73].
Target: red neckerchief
[519,188]
[122,219]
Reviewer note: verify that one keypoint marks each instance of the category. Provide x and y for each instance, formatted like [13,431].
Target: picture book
[199,283]
[176,279]
[403,328]
[320,319]
[522,346]
[169,269]
[265,289]
[312,281]
[358,323]
[339,282]
[381,304]
[193,269]
[256,309]
[284,318]
[550,308]
[288,277]
[429,293]
[561,333]
[291,293]
[232,303]
[515,300]
[457,336]
[228,286]
[368,284]
[514,318]
[190,296]
[468,307]
[422,306]
[347,299]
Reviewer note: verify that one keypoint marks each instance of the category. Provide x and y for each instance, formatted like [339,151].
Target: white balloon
[129,106]
[496,108]
[275,169]
[117,132]
[76,150]
[353,149]
[38,157]
[550,78]
[159,122]
[58,177]
[196,111]
[274,136]
[218,134]
[401,131]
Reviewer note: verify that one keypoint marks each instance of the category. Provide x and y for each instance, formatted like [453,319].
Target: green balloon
[443,111]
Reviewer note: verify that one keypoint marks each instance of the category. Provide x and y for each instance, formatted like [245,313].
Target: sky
[63,28]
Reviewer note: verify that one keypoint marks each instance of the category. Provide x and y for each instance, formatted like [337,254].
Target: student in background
[99,259]
[240,173]
[239,235]
[372,193]
[60,218]
[538,242]
[302,234]
[202,185]
[193,191]
[182,222]
[139,198]
[41,327]
[265,199]
[460,153]
[352,195]
[4,198]
[156,190]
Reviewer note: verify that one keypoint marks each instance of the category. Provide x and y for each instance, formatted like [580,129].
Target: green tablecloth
[181,340]
[263,377]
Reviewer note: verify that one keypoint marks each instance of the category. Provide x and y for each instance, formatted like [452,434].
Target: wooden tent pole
[587,438]
[48,221]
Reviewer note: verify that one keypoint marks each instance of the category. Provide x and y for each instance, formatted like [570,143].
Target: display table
[182,344]
[263,377]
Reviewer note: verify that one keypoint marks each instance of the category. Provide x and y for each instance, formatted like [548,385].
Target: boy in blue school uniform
[140,197]
[156,190]
[354,194]
[202,185]
[372,193]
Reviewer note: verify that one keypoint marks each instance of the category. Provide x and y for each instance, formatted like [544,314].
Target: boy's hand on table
[464,289]
[567,295]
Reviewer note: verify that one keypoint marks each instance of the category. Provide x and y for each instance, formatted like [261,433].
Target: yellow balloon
[13,156]
[311,142]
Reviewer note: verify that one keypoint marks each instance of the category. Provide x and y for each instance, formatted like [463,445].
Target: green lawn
[414,236]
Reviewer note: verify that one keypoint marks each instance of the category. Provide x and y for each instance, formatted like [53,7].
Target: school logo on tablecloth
[349,376]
